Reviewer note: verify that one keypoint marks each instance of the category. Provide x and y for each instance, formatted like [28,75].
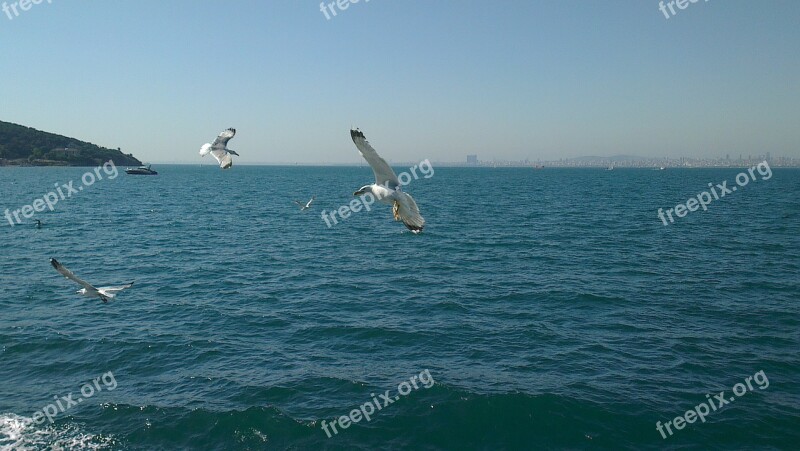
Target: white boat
[141,170]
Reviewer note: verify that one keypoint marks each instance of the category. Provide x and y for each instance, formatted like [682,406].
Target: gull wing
[311,202]
[69,275]
[384,175]
[223,157]
[406,210]
[112,291]
[222,140]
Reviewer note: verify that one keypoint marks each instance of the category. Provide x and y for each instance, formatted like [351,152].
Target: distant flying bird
[307,205]
[38,223]
[387,187]
[104,293]
[220,150]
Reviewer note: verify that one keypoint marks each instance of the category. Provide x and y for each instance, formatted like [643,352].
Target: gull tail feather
[396,210]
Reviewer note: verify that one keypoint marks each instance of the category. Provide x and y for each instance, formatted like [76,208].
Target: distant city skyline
[521,80]
[632,161]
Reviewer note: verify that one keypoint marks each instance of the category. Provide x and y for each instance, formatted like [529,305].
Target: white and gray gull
[220,150]
[387,187]
[104,293]
[305,205]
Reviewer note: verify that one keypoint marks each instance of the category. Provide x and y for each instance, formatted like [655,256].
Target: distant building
[65,152]
[472,160]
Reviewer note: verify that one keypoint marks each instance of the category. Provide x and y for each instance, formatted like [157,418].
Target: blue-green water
[552,308]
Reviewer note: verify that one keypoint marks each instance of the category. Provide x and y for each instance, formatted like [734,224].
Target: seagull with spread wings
[104,293]
[307,205]
[219,149]
[387,187]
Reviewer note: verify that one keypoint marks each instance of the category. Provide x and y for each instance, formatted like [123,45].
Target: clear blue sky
[424,79]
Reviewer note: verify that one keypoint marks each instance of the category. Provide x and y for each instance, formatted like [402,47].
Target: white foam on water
[18,433]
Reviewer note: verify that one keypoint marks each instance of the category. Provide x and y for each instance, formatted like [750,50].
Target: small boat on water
[141,170]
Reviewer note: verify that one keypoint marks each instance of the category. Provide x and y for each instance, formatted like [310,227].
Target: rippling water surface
[552,309]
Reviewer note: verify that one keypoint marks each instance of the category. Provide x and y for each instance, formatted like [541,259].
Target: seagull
[220,150]
[104,293]
[387,187]
[307,205]
[38,223]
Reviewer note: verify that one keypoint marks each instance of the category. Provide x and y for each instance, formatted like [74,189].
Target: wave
[18,433]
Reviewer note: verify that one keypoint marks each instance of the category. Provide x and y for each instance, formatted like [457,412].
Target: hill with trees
[25,146]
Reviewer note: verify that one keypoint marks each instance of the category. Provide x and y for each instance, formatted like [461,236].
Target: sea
[547,309]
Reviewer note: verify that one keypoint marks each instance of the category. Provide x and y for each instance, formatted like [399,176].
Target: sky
[506,79]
